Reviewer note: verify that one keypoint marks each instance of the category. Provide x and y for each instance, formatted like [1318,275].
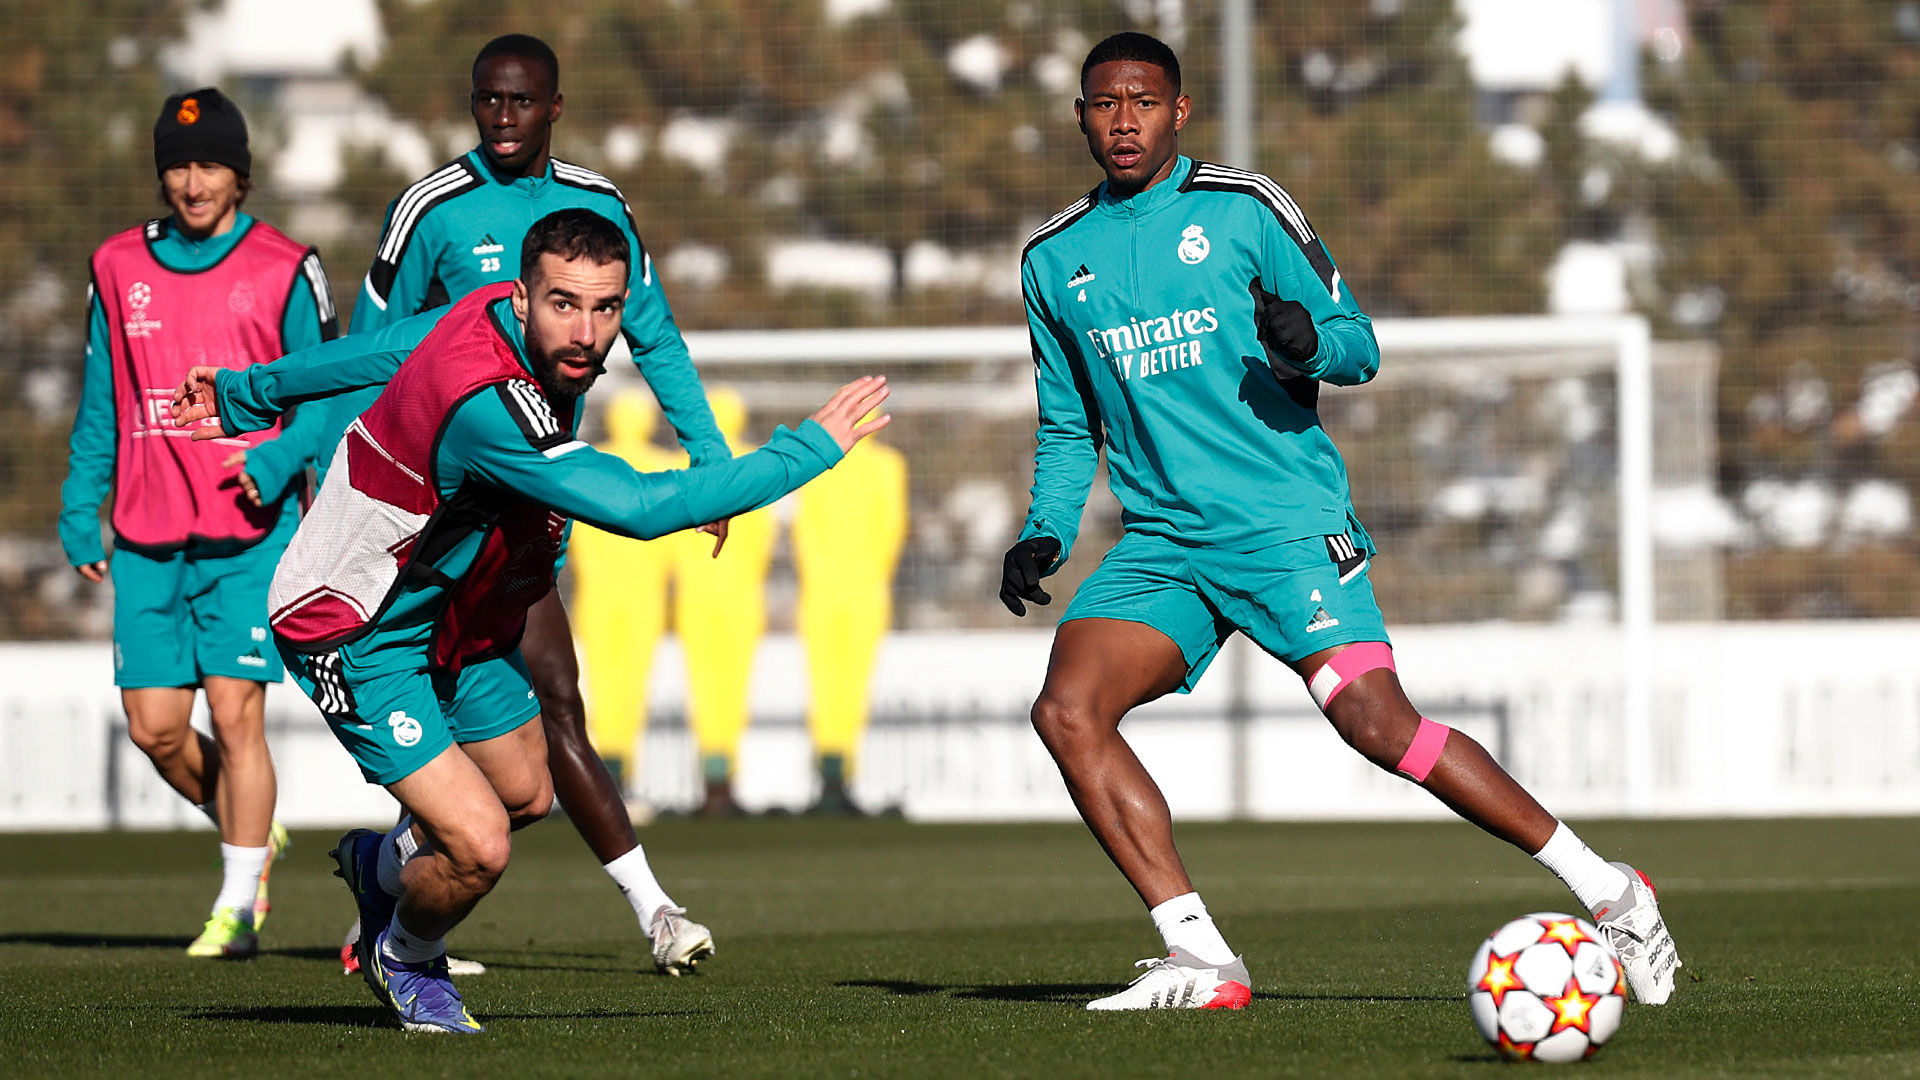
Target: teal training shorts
[1293,599]
[393,723]
[179,618]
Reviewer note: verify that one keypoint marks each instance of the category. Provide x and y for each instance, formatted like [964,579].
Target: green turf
[876,949]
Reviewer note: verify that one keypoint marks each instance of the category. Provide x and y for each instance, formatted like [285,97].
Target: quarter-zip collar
[177,251]
[1145,202]
[507,324]
[530,186]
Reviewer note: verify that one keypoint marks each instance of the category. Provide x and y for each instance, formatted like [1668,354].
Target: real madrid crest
[1193,245]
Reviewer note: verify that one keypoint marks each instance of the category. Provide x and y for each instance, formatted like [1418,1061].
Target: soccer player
[437,529]
[454,231]
[1183,316]
[193,547]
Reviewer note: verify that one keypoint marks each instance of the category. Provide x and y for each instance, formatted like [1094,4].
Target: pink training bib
[169,490]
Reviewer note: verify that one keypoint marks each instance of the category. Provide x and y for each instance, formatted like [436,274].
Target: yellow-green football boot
[228,935]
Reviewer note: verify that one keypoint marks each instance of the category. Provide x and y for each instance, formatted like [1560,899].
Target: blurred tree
[1789,230]
[83,84]
[1376,136]
[950,122]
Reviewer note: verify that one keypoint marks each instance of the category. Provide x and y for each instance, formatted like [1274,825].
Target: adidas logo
[1080,277]
[1190,918]
[1321,621]
[488,246]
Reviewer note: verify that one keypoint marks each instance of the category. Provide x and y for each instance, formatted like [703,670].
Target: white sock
[240,877]
[637,884]
[1183,923]
[396,848]
[410,948]
[1593,880]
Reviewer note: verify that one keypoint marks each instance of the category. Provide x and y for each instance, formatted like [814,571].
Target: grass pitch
[882,949]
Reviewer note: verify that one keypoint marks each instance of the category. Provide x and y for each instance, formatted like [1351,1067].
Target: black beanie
[201,125]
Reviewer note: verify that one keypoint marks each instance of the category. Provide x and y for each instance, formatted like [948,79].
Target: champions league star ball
[1545,987]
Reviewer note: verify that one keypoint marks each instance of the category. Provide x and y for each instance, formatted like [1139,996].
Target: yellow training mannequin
[847,538]
[720,613]
[620,599]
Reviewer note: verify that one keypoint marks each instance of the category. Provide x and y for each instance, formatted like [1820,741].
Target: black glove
[1020,580]
[1286,329]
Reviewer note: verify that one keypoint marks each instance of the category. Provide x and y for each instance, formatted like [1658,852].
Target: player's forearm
[1348,355]
[90,450]
[274,464]
[253,398]
[605,492]
[1063,470]
[670,373]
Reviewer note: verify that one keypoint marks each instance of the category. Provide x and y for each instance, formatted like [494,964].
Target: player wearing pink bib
[197,526]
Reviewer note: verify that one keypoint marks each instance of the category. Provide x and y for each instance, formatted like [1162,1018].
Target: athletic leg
[160,723]
[587,791]
[248,788]
[585,788]
[466,827]
[515,765]
[1372,714]
[1370,710]
[1099,670]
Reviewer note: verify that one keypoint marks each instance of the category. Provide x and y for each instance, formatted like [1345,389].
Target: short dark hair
[1133,45]
[573,233]
[520,47]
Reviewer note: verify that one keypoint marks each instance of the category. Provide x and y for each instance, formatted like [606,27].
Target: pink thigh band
[1347,665]
[1425,751]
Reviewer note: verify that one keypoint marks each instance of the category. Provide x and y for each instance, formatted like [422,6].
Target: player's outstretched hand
[194,401]
[1020,578]
[1286,329]
[842,414]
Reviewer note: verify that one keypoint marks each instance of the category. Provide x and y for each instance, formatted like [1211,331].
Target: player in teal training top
[460,228]
[437,528]
[1184,315]
[195,540]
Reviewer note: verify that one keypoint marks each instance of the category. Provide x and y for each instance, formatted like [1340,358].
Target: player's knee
[531,805]
[478,856]
[157,739]
[1380,735]
[237,729]
[1064,723]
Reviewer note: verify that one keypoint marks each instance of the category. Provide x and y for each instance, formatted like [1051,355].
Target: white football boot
[1631,923]
[680,945]
[1180,981]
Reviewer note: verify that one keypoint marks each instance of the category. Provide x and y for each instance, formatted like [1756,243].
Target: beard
[561,386]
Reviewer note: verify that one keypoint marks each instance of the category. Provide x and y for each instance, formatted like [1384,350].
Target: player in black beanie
[201,125]
[200,151]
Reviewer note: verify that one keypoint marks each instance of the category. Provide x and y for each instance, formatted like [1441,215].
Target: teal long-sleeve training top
[483,443]
[461,226]
[1145,344]
[91,446]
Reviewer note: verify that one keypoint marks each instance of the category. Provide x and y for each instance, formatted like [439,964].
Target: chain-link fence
[1747,183]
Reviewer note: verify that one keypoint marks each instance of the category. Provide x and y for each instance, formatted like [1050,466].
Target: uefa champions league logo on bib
[139,295]
[1194,245]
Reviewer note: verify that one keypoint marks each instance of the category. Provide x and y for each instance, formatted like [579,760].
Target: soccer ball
[1545,987]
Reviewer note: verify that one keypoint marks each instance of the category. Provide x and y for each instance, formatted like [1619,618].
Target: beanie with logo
[201,125]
